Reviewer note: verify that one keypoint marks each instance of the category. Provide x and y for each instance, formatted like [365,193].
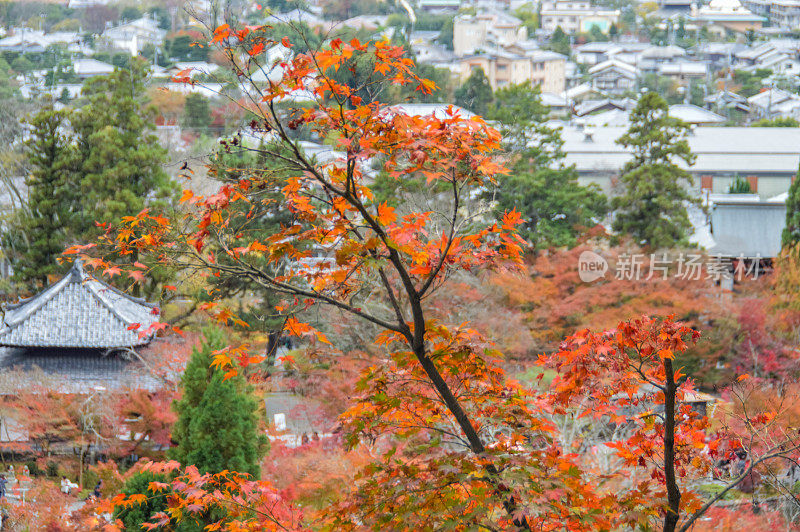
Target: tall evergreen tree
[791,233]
[560,42]
[38,234]
[652,208]
[217,427]
[197,113]
[121,157]
[540,185]
[476,93]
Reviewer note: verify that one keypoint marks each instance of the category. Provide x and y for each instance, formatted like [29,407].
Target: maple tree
[456,443]
[405,256]
[630,377]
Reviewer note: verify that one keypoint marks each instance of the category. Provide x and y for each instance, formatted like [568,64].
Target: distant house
[301,16]
[81,4]
[293,419]
[768,158]
[576,16]
[611,117]
[653,57]
[366,22]
[772,103]
[428,51]
[614,77]
[501,67]
[133,36]
[87,67]
[73,90]
[487,28]
[780,65]
[557,103]
[722,16]
[587,107]
[33,41]
[195,68]
[593,53]
[437,110]
[724,100]
[695,115]
[548,69]
[581,92]
[683,72]
[718,54]
[439,5]
[785,14]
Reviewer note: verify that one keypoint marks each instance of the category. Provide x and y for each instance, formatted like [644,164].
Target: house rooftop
[78,312]
[437,110]
[694,114]
[718,149]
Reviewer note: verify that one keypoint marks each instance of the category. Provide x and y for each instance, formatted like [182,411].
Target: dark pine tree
[38,234]
[476,93]
[217,427]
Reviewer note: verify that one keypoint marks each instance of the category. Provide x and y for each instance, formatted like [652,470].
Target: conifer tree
[121,158]
[791,233]
[217,427]
[652,207]
[197,113]
[560,42]
[545,190]
[38,234]
[476,93]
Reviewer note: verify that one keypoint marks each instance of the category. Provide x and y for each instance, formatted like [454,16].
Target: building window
[707,182]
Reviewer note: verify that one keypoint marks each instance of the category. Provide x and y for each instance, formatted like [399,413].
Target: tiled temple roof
[78,312]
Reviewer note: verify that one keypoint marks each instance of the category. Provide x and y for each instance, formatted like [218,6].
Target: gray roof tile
[78,311]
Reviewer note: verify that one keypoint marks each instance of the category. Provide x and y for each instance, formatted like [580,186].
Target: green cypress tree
[652,208]
[791,233]
[135,515]
[38,234]
[560,42]
[476,93]
[197,113]
[540,186]
[121,158]
[217,427]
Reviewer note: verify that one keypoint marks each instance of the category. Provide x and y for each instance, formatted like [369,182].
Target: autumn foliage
[454,443]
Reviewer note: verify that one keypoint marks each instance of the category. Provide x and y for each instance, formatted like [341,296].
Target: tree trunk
[475,443]
[673,492]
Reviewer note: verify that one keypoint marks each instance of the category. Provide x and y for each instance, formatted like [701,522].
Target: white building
[614,77]
[133,36]
[88,68]
[785,13]
[33,41]
[473,32]
[576,16]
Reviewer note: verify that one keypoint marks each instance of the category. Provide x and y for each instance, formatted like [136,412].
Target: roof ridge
[96,292]
[120,310]
[37,301]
